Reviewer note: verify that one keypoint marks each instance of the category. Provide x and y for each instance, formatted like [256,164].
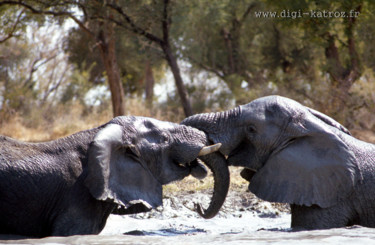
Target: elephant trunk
[216,162]
[217,127]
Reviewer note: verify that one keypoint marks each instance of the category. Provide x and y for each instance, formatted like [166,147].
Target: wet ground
[244,219]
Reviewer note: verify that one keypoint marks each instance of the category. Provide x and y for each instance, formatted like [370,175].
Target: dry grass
[365,135]
[16,129]
[43,125]
[192,185]
[63,125]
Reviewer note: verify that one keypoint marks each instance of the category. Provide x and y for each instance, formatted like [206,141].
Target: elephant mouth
[195,167]
[248,174]
[244,155]
[234,157]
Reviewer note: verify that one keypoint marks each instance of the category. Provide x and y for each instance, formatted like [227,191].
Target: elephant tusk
[209,149]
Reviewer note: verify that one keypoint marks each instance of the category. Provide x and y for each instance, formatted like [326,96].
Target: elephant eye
[251,129]
[164,138]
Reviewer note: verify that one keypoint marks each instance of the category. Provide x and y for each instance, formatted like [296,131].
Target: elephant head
[291,153]
[130,158]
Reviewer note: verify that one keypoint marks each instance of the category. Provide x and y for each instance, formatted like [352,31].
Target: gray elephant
[294,154]
[70,186]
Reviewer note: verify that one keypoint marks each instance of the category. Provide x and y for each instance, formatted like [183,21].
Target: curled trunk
[217,127]
[216,162]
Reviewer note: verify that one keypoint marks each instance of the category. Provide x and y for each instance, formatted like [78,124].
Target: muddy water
[242,220]
[248,228]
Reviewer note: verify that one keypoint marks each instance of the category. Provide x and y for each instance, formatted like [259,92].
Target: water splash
[166,232]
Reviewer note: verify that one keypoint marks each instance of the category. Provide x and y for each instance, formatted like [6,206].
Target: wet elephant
[71,185]
[294,154]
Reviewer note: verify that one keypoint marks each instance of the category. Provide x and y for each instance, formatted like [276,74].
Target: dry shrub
[78,118]
[192,185]
[48,123]
[365,135]
[42,124]
[16,128]
[162,112]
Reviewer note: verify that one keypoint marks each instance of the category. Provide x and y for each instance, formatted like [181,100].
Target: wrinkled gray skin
[294,154]
[70,186]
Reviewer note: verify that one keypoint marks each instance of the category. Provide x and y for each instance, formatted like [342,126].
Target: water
[244,228]
[243,219]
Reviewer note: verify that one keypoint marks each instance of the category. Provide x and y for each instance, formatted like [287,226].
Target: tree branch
[13,29]
[207,68]
[165,21]
[54,87]
[247,12]
[132,26]
[48,12]
[354,59]
[335,69]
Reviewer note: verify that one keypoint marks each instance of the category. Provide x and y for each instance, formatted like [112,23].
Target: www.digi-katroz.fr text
[310,14]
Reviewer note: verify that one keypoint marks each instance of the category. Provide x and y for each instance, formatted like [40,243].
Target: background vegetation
[67,65]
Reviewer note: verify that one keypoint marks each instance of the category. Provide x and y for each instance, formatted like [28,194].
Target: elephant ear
[316,167]
[115,175]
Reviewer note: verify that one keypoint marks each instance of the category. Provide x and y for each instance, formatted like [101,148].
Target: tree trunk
[236,64]
[343,76]
[149,84]
[108,53]
[164,44]
[172,62]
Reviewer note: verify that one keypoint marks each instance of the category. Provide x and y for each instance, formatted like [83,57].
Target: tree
[103,34]
[11,21]
[331,25]
[311,58]
[108,15]
[159,13]
[136,62]
[32,70]
[223,38]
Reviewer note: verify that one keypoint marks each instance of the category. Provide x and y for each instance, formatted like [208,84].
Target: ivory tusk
[209,149]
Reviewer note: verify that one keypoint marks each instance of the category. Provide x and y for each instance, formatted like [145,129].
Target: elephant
[71,185]
[294,154]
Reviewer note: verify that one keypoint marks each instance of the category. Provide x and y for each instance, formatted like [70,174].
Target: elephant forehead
[273,106]
[147,130]
[150,124]
[152,131]
[142,123]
